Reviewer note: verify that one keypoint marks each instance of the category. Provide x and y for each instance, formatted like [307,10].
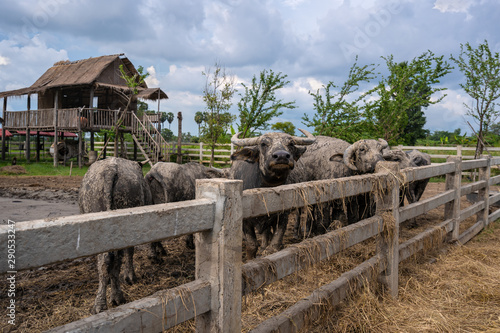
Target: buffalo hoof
[98,307]
[129,277]
[117,298]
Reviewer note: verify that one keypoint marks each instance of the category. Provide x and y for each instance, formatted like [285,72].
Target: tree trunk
[179,138]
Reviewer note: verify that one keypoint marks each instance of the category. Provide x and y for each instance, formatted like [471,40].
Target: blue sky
[313,42]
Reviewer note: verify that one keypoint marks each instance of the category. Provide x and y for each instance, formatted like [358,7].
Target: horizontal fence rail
[217,214]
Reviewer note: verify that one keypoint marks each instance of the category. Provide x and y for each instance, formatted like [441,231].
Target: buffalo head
[363,155]
[275,153]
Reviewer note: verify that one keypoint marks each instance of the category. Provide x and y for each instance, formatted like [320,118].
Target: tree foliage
[401,95]
[481,69]
[336,113]
[285,127]
[217,94]
[170,118]
[259,104]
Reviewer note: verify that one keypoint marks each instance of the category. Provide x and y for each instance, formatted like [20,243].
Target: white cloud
[151,80]
[4,61]
[454,6]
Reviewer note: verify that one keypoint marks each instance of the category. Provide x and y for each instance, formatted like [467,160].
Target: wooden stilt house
[87,96]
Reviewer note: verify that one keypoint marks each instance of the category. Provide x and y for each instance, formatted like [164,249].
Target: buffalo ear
[248,154]
[299,150]
[337,158]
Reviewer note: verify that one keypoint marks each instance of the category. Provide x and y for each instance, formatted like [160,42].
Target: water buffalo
[410,159]
[113,183]
[266,161]
[330,158]
[170,182]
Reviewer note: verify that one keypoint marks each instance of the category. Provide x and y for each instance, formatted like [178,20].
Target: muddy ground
[57,294]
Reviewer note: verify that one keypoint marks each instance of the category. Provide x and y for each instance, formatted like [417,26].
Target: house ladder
[149,140]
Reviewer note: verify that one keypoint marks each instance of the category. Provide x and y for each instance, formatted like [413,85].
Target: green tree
[199,117]
[336,114]
[285,127]
[217,94]
[170,118]
[167,134]
[259,104]
[481,69]
[402,94]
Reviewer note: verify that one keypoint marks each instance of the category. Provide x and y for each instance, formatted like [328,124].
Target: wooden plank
[263,201]
[49,241]
[494,180]
[494,198]
[295,318]
[471,210]
[471,232]
[261,272]
[423,206]
[474,164]
[469,188]
[494,216]
[426,172]
[416,244]
[155,313]
[495,160]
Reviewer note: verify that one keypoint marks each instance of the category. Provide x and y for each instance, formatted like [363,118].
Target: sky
[312,42]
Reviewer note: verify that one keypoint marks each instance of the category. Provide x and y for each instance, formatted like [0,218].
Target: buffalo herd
[269,160]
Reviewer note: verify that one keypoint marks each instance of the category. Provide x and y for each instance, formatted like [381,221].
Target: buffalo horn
[244,142]
[309,139]
[348,154]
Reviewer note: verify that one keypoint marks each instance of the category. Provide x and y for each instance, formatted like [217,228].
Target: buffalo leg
[279,232]
[250,239]
[103,268]
[128,269]
[117,296]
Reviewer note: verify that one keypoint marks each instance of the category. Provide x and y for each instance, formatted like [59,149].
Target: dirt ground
[57,294]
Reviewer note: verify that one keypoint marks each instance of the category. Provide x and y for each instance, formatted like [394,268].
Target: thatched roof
[100,71]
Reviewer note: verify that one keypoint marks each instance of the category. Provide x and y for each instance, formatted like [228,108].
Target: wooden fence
[216,214]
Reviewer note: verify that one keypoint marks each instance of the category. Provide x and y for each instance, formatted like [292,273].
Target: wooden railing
[214,298]
[150,141]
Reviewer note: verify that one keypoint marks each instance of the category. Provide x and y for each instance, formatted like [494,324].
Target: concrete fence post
[484,193]
[459,150]
[452,208]
[218,255]
[388,238]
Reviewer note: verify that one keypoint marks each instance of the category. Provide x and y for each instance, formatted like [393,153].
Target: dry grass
[458,292]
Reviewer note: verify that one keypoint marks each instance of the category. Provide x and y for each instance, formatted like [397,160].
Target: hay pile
[13,170]
[459,292]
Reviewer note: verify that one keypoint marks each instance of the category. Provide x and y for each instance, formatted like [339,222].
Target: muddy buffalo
[171,182]
[113,183]
[266,161]
[330,158]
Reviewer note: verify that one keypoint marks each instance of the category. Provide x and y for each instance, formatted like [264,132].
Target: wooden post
[3,126]
[201,152]
[92,140]
[179,138]
[484,193]
[37,156]
[452,208]
[27,143]
[459,150]
[80,141]
[104,152]
[135,151]
[56,153]
[218,255]
[388,238]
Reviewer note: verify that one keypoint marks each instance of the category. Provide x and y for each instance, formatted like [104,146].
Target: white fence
[216,214]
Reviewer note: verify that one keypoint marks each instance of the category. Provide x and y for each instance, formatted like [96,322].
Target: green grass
[46,168]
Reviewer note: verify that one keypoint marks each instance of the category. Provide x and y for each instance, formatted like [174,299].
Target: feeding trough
[474,197]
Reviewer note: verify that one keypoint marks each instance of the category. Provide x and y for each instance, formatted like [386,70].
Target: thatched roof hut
[82,80]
